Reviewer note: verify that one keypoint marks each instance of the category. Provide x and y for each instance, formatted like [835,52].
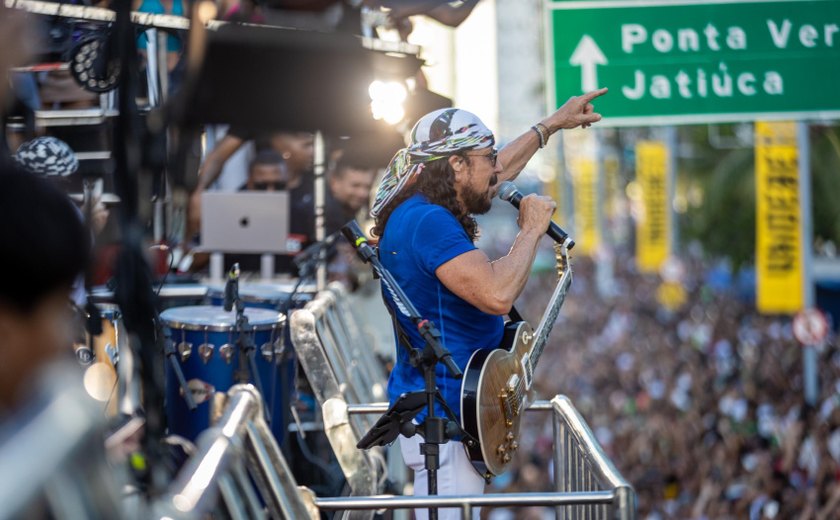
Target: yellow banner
[587,226]
[778,255]
[653,222]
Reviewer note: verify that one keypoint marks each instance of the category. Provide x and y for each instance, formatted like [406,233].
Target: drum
[208,350]
[266,296]
[99,363]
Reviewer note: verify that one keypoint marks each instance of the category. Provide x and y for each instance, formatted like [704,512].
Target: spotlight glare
[387,98]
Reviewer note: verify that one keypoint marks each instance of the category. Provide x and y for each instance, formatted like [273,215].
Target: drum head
[208,317]
[266,293]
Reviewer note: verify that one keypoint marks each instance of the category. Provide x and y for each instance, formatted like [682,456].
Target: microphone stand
[93,321]
[434,430]
[247,348]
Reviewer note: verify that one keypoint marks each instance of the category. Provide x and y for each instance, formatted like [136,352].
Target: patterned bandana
[47,156]
[436,135]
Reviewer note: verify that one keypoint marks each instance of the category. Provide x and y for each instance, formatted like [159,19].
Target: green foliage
[725,222]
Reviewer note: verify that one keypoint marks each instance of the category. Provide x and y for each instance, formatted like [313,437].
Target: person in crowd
[267,172]
[296,149]
[701,409]
[52,159]
[174,46]
[350,183]
[44,246]
[349,191]
[447,13]
[426,231]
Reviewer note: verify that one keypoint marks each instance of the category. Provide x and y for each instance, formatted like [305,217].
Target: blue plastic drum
[208,349]
[266,296]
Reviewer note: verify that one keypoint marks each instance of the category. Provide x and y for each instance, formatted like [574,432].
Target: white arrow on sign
[588,56]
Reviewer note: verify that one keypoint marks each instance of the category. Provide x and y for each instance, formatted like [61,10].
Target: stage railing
[325,348]
[361,355]
[52,458]
[587,484]
[237,462]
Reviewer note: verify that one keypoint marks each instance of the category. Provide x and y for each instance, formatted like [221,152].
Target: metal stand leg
[267,267]
[217,267]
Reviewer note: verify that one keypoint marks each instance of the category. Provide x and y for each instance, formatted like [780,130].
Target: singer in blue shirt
[424,211]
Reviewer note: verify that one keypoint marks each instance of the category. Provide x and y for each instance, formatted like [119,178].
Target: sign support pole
[670,138]
[809,353]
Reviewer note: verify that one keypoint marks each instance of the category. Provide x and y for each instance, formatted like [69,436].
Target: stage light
[387,99]
[206,11]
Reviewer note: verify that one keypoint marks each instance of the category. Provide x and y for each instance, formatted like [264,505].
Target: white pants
[456,475]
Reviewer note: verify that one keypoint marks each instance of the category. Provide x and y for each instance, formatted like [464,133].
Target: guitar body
[494,391]
[494,397]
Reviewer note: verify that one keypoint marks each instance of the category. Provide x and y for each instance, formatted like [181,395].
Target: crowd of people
[701,409]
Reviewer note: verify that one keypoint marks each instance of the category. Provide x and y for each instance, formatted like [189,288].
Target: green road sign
[681,61]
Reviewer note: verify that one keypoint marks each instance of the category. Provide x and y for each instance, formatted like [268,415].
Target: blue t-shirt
[420,237]
[173,43]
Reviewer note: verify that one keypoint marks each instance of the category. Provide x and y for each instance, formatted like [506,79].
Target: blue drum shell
[198,326]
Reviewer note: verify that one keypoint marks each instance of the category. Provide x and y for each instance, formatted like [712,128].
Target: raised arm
[577,111]
[209,171]
[492,287]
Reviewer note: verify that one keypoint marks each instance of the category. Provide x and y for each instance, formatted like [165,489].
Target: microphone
[508,192]
[313,251]
[231,288]
[354,234]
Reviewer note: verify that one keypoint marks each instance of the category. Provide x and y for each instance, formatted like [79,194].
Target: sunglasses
[264,186]
[492,156]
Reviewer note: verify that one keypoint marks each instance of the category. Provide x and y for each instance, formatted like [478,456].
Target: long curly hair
[437,183]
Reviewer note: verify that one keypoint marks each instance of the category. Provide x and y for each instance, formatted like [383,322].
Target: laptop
[245,222]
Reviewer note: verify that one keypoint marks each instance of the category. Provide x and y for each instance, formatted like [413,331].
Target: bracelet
[540,135]
[545,130]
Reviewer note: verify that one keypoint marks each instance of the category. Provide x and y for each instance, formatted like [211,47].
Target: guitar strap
[405,342]
[402,336]
[514,315]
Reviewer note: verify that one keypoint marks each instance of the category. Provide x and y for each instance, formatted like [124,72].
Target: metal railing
[237,467]
[335,382]
[587,484]
[52,459]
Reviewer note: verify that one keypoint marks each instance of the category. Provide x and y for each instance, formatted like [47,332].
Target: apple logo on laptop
[243,222]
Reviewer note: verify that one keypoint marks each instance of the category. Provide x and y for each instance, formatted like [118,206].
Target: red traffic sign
[810,326]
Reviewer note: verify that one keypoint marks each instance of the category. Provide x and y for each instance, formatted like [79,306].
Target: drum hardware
[279,346]
[205,350]
[212,326]
[184,348]
[249,350]
[267,351]
[226,353]
[170,353]
[113,353]
[106,359]
[84,354]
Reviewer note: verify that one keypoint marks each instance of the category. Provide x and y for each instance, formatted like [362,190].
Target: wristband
[539,135]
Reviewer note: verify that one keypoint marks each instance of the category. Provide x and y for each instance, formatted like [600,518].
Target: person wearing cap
[44,247]
[424,224]
[54,160]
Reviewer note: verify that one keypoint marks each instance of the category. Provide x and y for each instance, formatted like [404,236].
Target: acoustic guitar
[496,383]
